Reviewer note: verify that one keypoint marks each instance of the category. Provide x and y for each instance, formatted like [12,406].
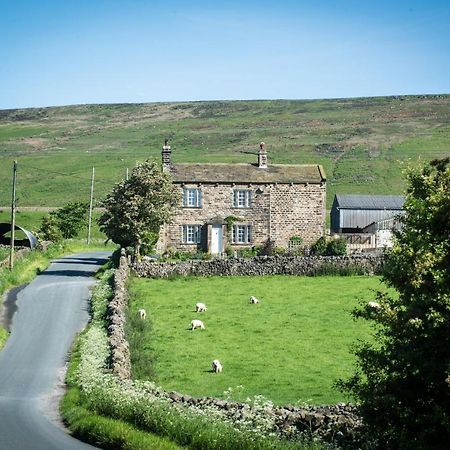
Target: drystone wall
[261,265]
[334,423]
[19,252]
[120,352]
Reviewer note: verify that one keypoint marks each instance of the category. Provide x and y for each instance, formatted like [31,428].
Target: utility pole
[90,206]
[13,217]
[126,176]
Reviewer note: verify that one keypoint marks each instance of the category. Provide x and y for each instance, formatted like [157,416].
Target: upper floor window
[191,234]
[242,234]
[192,198]
[242,198]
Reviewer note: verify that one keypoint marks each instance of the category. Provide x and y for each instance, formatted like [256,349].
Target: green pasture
[290,348]
[362,142]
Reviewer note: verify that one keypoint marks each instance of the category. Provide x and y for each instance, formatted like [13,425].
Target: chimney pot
[166,162]
[262,156]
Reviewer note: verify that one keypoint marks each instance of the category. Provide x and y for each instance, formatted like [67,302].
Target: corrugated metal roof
[247,173]
[370,201]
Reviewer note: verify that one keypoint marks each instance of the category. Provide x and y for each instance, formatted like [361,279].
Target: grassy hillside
[360,142]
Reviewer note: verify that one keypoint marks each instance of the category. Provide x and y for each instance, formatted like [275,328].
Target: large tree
[402,383]
[136,208]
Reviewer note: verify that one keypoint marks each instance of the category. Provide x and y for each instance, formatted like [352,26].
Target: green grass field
[362,142]
[290,348]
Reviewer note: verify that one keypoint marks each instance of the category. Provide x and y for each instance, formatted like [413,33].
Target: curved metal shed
[31,240]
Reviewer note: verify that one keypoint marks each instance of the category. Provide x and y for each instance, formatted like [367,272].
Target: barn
[353,213]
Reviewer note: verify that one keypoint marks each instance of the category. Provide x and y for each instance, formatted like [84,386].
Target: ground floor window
[191,234]
[242,234]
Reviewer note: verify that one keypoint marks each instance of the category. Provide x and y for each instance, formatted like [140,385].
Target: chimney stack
[262,156]
[166,163]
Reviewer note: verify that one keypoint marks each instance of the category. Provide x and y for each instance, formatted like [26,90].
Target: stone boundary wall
[260,265]
[337,423]
[18,253]
[120,352]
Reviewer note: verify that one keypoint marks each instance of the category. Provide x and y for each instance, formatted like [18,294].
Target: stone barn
[241,205]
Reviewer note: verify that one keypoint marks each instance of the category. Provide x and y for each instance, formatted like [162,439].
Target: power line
[71,175]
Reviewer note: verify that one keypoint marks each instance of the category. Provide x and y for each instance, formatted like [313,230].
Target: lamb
[197,324]
[216,366]
[142,314]
[200,307]
[254,300]
[374,305]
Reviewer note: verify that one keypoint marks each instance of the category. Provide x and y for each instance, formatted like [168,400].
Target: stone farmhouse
[233,206]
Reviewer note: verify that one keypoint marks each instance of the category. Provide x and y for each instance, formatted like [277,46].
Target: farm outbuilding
[28,240]
[353,213]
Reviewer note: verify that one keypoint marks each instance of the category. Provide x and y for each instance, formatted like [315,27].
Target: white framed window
[242,198]
[242,234]
[191,234]
[192,198]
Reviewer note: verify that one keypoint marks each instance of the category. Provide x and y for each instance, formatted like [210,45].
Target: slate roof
[370,201]
[247,173]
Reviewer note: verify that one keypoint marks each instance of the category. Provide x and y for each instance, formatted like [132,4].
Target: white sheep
[254,300]
[197,324]
[374,305]
[200,307]
[216,366]
[142,314]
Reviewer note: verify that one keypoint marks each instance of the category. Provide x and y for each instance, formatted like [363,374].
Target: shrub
[337,247]
[319,247]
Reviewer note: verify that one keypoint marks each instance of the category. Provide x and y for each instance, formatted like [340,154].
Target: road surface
[50,311]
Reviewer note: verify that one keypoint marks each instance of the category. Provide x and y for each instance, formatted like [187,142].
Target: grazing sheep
[200,307]
[216,366]
[254,300]
[142,314]
[374,305]
[197,324]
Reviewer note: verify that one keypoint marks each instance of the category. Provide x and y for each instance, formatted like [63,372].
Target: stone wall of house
[279,211]
[260,265]
[297,210]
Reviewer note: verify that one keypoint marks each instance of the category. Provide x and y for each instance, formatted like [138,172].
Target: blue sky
[109,51]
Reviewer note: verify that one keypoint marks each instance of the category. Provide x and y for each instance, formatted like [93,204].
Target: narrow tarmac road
[50,311]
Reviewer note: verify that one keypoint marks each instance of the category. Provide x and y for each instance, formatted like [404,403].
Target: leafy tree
[402,382]
[71,218]
[65,222]
[49,230]
[136,208]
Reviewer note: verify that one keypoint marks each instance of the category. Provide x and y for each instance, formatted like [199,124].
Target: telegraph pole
[13,217]
[90,206]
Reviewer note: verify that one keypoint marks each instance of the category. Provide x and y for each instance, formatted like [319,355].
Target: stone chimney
[166,163]
[262,156]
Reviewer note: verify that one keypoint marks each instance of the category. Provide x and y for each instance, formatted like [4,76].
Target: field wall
[333,423]
[262,265]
